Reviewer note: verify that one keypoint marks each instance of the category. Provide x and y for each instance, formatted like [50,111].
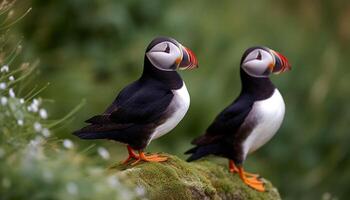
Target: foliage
[34,164]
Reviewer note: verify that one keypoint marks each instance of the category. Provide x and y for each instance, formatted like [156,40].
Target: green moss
[178,179]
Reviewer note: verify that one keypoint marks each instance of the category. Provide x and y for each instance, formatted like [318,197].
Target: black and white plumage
[152,105]
[253,118]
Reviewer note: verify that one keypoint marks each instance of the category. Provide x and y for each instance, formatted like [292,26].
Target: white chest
[269,115]
[179,105]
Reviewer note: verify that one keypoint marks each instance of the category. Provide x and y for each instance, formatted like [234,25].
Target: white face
[258,63]
[165,56]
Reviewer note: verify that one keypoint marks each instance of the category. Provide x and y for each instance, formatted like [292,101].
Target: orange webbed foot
[252,175]
[149,158]
[234,169]
[255,184]
[252,182]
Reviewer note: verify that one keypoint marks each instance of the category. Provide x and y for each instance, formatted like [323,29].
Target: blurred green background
[91,49]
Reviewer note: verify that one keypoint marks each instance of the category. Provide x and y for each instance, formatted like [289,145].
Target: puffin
[149,107]
[251,120]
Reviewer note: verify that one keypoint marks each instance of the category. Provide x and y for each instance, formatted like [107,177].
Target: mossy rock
[177,179]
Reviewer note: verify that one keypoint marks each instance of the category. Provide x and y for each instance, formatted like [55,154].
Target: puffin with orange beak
[149,107]
[251,120]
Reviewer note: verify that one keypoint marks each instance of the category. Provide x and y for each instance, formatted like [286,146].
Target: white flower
[36,102]
[11,78]
[12,93]
[43,113]
[37,127]
[34,106]
[72,188]
[103,152]
[46,132]
[20,122]
[3,86]
[68,144]
[4,68]
[21,101]
[3,101]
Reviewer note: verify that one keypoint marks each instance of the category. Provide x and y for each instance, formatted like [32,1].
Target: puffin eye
[167,49]
[259,56]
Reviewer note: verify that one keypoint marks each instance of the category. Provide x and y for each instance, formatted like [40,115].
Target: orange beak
[189,60]
[281,63]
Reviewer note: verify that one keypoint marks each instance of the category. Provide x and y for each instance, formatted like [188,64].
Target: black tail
[93,131]
[201,151]
[92,135]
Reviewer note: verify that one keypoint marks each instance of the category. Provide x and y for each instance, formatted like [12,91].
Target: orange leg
[232,166]
[149,158]
[131,155]
[252,182]
[234,169]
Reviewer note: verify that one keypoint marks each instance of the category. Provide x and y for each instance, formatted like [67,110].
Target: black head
[260,62]
[167,54]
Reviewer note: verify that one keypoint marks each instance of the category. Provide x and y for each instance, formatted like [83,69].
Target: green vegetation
[35,164]
[90,49]
[177,179]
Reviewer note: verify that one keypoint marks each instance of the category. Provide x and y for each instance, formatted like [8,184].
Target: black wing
[137,105]
[144,106]
[140,102]
[224,126]
[227,122]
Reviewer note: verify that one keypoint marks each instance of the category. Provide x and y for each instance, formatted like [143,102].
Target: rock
[178,179]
